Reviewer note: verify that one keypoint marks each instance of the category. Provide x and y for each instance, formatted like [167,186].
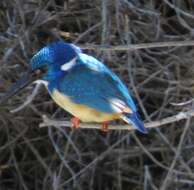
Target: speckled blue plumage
[88,83]
[93,87]
[54,55]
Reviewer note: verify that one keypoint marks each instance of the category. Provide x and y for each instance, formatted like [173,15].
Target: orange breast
[84,113]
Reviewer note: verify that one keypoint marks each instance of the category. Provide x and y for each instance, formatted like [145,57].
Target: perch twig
[58,123]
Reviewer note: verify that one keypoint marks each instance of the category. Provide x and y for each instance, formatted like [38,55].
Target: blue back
[91,83]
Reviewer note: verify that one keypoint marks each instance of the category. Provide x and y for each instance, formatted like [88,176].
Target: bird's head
[48,63]
[55,59]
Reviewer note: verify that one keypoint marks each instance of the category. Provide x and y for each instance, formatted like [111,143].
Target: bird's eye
[39,72]
[43,69]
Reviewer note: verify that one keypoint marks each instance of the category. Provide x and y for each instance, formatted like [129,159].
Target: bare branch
[180,116]
[133,47]
[183,103]
[29,99]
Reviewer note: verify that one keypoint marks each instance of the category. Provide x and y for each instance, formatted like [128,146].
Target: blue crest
[54,55]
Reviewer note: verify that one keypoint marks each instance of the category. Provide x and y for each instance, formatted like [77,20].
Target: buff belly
[83,112]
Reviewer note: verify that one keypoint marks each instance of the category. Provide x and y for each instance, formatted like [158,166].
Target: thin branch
[133,47]
[180,116]
[177,155]
[183,103]
[28,100]
[104,21]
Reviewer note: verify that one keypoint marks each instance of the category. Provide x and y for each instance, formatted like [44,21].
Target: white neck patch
[68,65]
[39,81]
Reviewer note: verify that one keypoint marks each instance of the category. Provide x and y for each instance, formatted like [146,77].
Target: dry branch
[180,116]
[28,100]
[133,47]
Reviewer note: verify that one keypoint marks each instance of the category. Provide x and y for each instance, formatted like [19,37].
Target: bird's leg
[105,126]
[75,121]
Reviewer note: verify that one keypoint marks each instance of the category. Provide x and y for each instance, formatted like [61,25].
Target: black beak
[29,77]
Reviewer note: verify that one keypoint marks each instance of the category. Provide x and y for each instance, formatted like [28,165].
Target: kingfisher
[81,85]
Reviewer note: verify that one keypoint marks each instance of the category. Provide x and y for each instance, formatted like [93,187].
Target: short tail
[135,120]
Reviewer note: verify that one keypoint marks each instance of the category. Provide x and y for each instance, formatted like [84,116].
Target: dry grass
[49,158]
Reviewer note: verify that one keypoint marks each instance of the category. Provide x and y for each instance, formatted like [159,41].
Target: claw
[105,126]
[75,122]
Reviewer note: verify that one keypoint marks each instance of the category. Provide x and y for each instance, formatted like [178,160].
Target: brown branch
[133,47]
[180,116]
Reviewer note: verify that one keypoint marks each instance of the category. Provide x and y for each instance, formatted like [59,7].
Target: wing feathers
[119,106]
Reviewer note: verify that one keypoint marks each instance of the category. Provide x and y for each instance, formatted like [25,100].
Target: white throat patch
[68,65]
[39,81]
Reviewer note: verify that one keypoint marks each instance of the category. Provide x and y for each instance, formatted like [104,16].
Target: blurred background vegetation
[54,159]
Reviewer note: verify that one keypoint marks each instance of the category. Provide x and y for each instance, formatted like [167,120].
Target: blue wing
[91,83]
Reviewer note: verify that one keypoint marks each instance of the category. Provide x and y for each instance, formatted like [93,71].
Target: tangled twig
[29,99]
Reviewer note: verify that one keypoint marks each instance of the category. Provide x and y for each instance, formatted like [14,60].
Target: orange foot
[105,126]
[75,121]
